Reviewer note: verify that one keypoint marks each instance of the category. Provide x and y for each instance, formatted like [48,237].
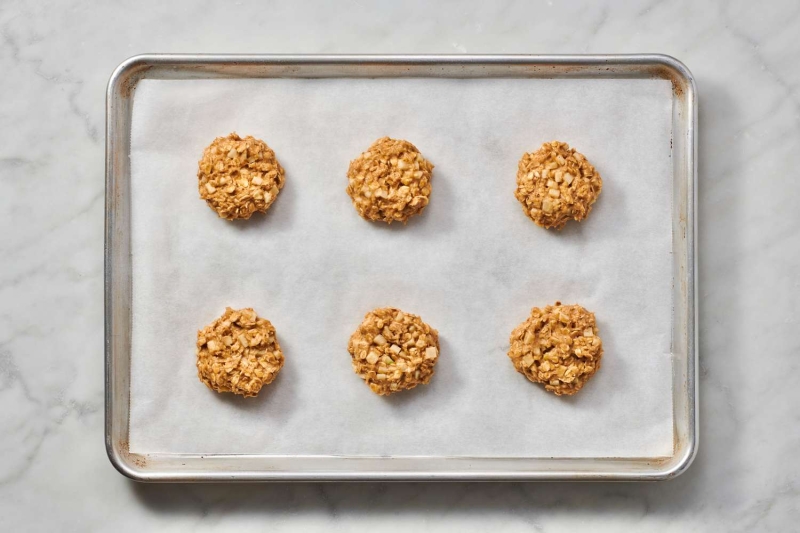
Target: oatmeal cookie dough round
[555,183]
[390,181]
[239,176]
[393,351]
[238,353]
[557,346]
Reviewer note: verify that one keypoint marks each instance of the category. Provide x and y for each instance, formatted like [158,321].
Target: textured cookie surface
[238,353]
[393,351]
[555,184]
[239,176]
[557,346]
[389,182]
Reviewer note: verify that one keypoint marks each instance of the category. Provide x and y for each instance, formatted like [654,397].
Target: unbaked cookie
[238,177]
[557,346]
[390,181]
[555,183]
[238,353]
[393,351]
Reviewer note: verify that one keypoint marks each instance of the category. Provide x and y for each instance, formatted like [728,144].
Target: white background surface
[472,265]
[57,58]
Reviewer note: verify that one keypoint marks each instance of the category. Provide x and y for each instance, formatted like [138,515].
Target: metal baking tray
[234,467]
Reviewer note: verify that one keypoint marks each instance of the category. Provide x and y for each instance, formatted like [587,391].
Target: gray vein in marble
[74,85]
[16,162]
[11,375]
[648,8]
[34,240]
[752,45]
[601,22]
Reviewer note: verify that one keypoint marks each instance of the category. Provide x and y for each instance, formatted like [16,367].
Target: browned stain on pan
[135,458]
[666,73]
[131,79]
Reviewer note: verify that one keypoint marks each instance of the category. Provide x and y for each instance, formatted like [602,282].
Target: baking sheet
[472,266]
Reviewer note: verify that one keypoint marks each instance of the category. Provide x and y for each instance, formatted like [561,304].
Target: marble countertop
[56,59]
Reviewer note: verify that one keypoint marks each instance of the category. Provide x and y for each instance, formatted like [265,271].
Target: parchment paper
[472,266]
